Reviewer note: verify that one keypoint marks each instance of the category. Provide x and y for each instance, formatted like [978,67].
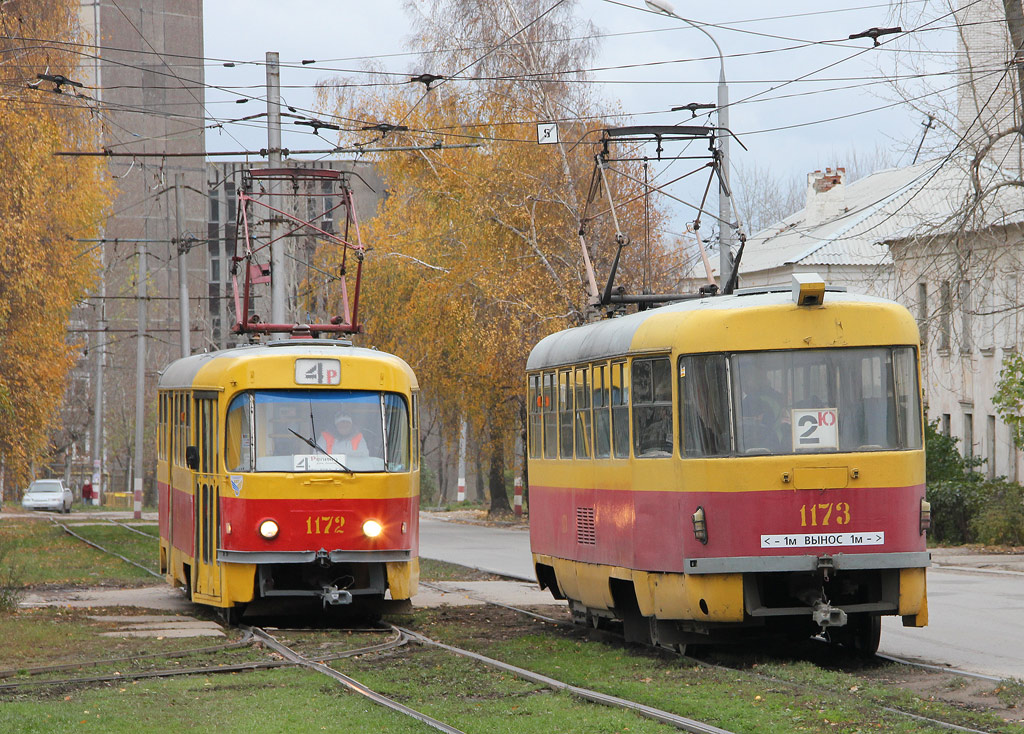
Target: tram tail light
[700,526]
[926,516]
[372,528]
[269,529]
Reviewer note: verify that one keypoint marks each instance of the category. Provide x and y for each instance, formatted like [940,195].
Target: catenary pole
[140,381]
[278,292]
[179,223]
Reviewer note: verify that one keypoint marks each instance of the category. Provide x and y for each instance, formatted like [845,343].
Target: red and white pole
[517,497]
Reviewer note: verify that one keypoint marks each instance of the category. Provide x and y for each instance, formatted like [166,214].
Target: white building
[909,234]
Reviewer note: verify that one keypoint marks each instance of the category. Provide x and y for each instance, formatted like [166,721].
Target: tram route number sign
[822,540]
[317,372]
[815,429]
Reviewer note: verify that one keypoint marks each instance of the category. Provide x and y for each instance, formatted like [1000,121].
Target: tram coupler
[335,597]
[825,615]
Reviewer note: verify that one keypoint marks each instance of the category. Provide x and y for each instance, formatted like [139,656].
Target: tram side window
[582,414]
[565,414]
[161,428]
[602,416]
[536,417]
[704,405]
[652,407]
[396,429]
[908,414]
[238,436]
[550,416]
[620,411]
[415,431]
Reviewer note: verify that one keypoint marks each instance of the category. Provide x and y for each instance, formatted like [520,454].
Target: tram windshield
[317,431]
[805,401]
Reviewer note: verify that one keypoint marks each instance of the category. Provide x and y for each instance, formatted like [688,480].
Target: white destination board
[318,462]
[317,372]
[822,540]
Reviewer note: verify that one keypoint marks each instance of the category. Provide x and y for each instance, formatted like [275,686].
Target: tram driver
[345,438]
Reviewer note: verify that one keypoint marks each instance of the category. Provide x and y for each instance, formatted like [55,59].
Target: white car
[47,494]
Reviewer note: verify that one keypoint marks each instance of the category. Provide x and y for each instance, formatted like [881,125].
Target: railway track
[618,638]
[404,637]
[319,663]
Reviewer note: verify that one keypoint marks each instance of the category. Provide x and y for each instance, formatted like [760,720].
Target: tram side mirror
[192,457]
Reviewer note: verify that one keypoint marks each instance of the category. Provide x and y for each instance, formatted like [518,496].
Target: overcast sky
[774,54]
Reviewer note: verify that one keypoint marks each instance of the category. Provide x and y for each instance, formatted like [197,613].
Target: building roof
[883,207]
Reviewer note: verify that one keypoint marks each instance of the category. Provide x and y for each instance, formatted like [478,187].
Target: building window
[986,312]
[946,424]
[1009,313]
[922,311]
[968,447]
[965,317]
[945,314]
[990,446]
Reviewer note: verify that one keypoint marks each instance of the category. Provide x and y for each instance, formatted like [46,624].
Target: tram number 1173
[822,514]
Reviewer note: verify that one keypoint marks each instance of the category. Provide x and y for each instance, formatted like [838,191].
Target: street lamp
[724,208]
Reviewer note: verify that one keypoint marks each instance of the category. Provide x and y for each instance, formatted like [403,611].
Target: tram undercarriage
[845,607]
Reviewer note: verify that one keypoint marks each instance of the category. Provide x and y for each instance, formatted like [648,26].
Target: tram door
[207,498]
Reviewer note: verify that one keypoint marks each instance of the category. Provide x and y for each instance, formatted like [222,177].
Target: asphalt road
[974,615]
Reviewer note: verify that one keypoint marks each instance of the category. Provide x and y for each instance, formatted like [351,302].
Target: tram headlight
[372,528]
[700,526]
[269,529]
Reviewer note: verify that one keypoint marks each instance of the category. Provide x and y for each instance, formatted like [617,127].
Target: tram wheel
[861,634]
[232,615]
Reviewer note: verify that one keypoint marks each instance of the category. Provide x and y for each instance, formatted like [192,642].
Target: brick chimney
[826,195]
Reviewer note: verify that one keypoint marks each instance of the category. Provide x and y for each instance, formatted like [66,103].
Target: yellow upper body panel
[754,322]
[273,366]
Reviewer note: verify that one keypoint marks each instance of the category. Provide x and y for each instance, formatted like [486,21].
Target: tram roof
[181,373]
[616,336]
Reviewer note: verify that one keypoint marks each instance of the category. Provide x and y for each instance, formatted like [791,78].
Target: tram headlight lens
[372,528]
[926,516]
[700,526]
[269,529]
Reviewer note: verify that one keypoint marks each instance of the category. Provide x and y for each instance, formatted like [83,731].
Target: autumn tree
[46,204]
[476,250]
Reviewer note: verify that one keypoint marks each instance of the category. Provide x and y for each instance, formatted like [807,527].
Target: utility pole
[101,358]
[724,204]
[278,280]
[140,380]
[179,222]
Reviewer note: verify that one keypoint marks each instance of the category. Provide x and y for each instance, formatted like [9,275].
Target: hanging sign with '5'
[815,429]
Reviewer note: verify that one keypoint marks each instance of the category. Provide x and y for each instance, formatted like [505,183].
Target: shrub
[1000,519]
[10,575]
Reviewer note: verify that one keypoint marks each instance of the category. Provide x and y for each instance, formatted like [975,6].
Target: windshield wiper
[317,447]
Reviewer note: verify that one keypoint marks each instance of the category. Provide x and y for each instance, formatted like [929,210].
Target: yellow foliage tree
[475,251]
[46,204]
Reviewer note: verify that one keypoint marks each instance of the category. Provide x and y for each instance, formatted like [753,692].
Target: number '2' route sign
[817,428]
[317,372]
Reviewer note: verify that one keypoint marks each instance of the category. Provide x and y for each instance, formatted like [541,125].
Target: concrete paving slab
[163,597]
[469,593]
[162,634]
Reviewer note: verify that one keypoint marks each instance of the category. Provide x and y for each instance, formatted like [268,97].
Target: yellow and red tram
[258,501]
[749,461]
